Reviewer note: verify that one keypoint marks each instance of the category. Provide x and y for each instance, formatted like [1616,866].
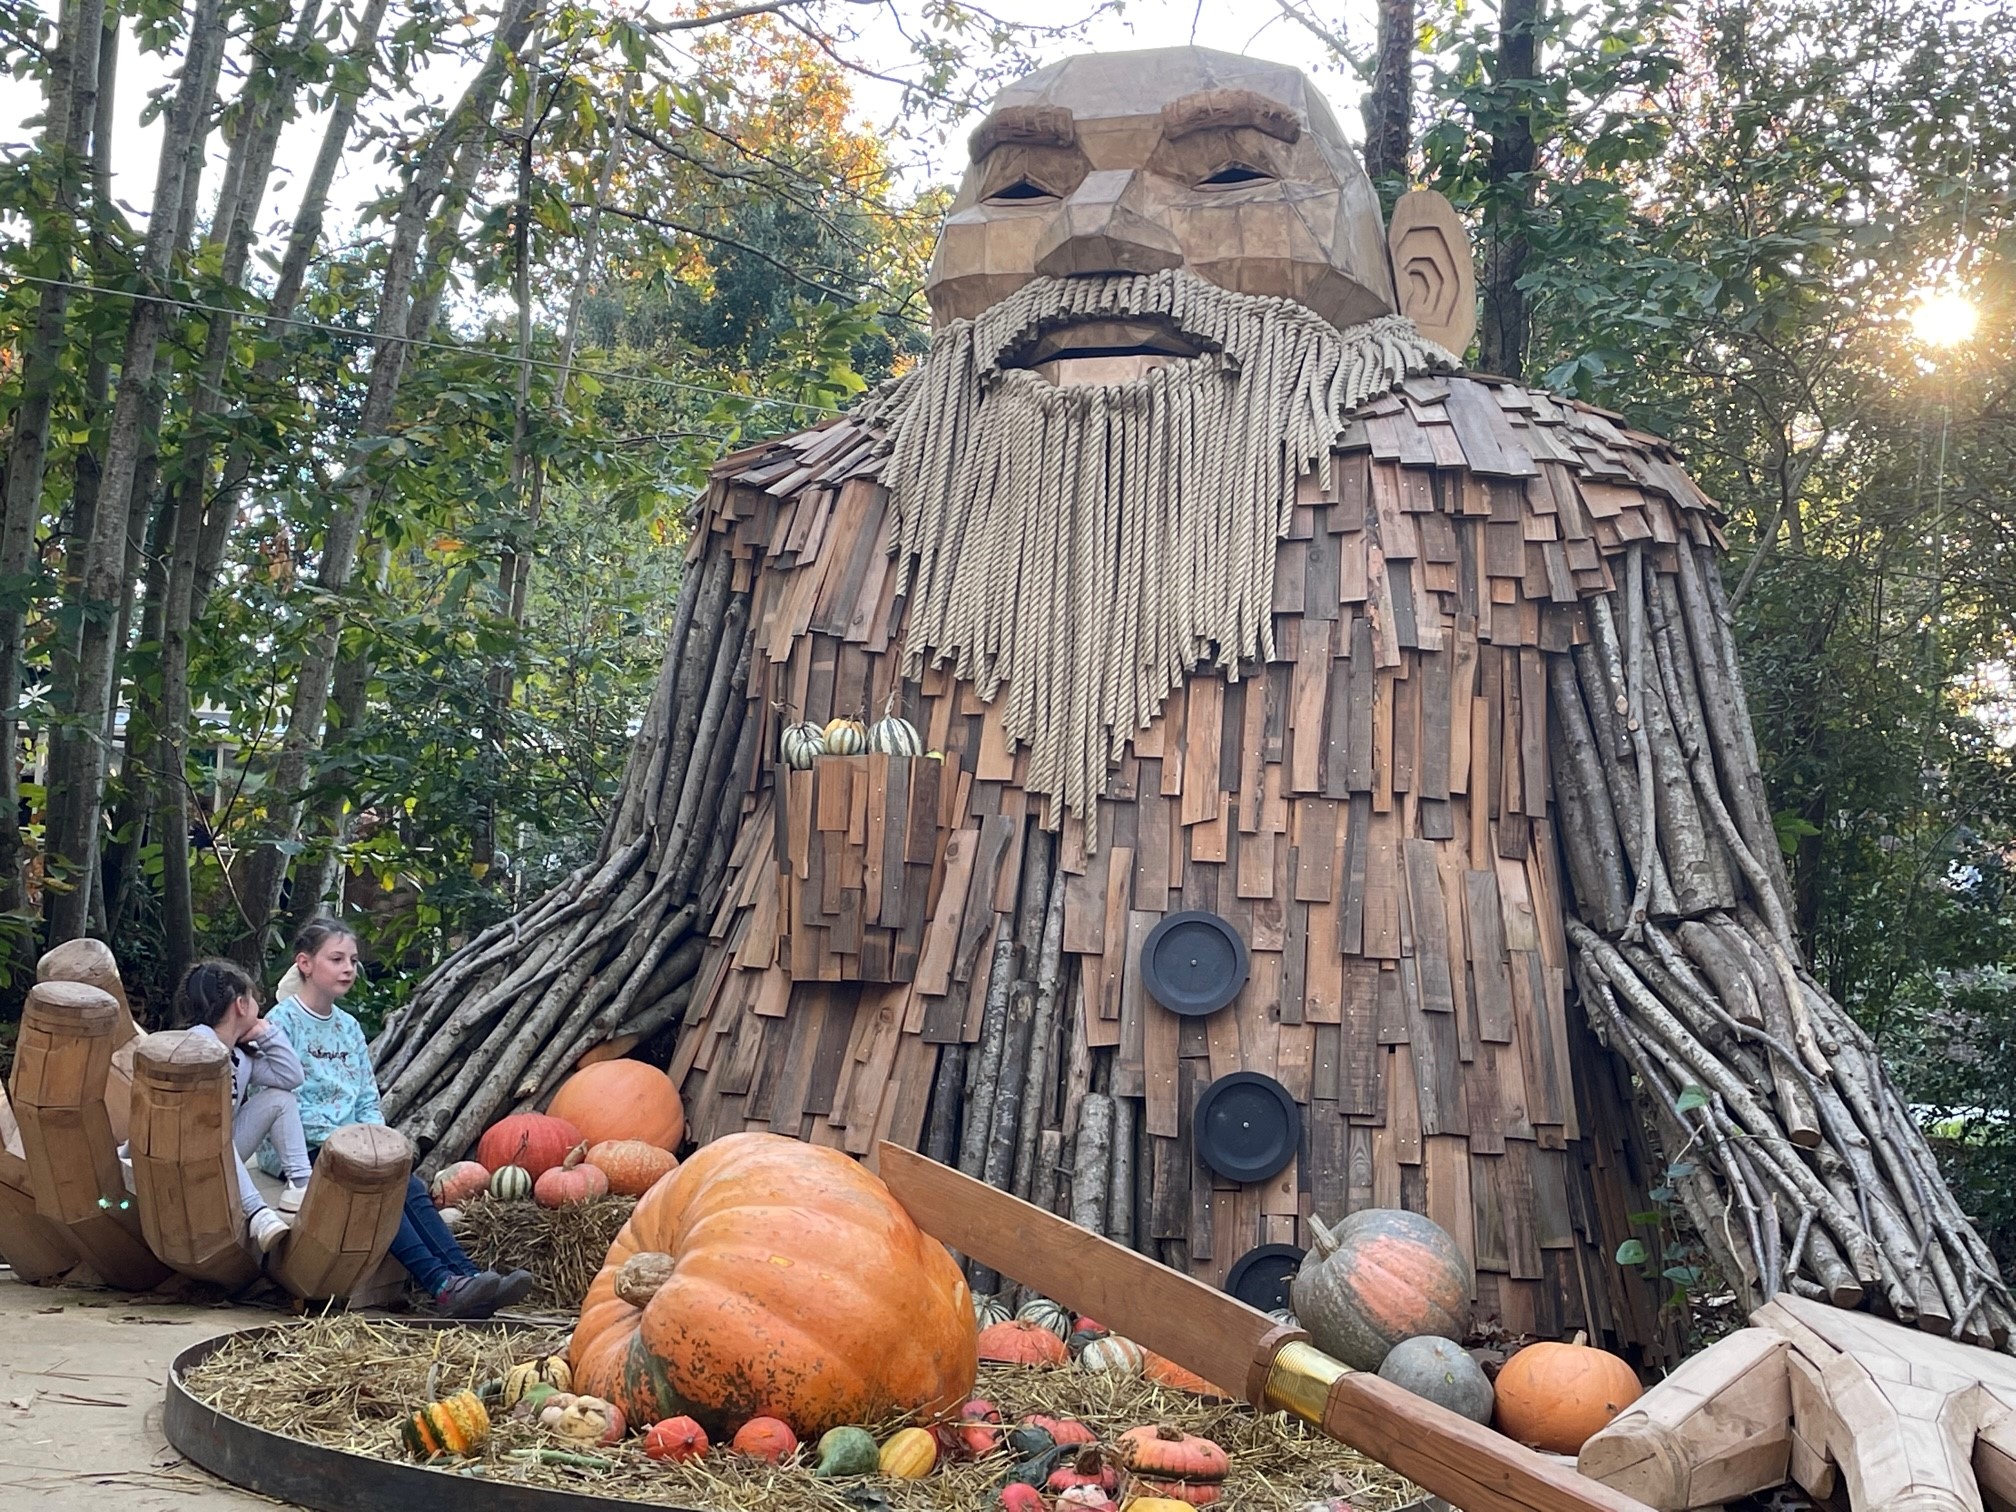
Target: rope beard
[1087,546]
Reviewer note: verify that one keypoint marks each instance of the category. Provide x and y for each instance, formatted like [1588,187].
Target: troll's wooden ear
[1432,271]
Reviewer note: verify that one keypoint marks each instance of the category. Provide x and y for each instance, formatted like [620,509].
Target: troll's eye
[1235,176]
[1021,192]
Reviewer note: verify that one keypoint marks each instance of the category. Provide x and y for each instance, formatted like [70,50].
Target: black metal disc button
[1260,1277]
[1247,1126]
[1193,963]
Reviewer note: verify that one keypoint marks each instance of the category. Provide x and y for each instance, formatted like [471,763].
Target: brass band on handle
[1299,1379]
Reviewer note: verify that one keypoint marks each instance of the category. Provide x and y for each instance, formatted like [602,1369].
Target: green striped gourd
[895,736]
[1046,1314]
[511,1183]
[801,744]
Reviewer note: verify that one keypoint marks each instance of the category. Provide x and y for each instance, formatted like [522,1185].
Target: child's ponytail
[208,990]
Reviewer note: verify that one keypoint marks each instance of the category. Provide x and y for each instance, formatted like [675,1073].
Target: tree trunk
[105,581]
[353,79]
[1509,191]
[1389,105]
[234,226]
[71,93]
[266,868]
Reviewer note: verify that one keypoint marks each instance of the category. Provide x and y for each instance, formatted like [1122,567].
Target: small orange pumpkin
[622,1099]
[1556,1396]
[1017,1342]
[676,1439]
[632,1166]
[766,1438]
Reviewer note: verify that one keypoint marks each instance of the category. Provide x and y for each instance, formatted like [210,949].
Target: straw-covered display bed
[347,1382]
[563,1247]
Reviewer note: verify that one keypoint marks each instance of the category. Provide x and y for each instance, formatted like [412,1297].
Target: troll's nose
[1099,231]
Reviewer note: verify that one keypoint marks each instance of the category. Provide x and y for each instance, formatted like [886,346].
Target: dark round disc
[1260,1277]
[1193,963]
[1247,1126]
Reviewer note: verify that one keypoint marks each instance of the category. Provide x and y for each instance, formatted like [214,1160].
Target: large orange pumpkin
[1555,1396]
[1381,1276]
[799,1289]
[534,1141]
[622,1099]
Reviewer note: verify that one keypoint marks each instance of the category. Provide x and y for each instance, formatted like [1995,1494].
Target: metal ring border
[336,1480]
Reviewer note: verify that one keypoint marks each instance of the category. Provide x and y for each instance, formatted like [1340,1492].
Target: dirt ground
[81,1379]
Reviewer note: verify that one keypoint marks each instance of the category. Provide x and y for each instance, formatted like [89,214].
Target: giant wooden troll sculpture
[1337,788]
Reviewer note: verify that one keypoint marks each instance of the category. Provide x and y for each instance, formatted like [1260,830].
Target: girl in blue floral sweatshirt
[338,1088]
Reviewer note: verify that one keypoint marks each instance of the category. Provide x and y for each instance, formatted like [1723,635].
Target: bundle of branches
[610,954]
[1792,1152]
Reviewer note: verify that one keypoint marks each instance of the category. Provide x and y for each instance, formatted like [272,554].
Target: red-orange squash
[533,1141]
[1383,1275]
[1166,1372]
[1018,1342]
[800,1289]
[632,1166]
[1555,1396]
[766,1439]
[458,1183]
[622,1099]
[675,1439]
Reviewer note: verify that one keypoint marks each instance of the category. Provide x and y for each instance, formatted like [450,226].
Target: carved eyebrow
[1221,109]
[1023,126]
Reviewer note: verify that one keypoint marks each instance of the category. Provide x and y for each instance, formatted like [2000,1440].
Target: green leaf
[1632,1252]
[1690,1098]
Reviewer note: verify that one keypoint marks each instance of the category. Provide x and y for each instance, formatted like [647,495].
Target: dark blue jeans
[423,1244]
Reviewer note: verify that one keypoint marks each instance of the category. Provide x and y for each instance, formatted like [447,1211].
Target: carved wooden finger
[1718,1428]
[183,1163]
[350,1214]
[36,1248]
[60,1070]
[92,963]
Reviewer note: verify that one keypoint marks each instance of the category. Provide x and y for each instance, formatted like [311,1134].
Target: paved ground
[81,1379]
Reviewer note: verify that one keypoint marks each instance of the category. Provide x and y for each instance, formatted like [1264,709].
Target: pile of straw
[346,1382]
[563,1247]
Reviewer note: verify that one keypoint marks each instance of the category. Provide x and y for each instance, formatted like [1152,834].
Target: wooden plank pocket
[860,856]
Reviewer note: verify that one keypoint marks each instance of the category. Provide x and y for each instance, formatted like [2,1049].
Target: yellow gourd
[551,1371]
[910,1455]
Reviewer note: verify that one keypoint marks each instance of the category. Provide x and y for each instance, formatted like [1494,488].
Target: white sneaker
[268,1228]
[289,1201]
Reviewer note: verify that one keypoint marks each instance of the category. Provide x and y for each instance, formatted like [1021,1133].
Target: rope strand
[1088,545]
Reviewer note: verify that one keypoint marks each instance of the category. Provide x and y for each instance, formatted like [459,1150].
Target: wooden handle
[1464,1463]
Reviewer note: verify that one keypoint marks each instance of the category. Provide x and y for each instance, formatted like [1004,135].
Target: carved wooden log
[92,963]
[60,1070]
[350,1214]
[36,1248]
[1718,1428]
[1899,1419]
[184,1169]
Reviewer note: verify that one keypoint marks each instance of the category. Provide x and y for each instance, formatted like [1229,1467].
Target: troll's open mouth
[1104,336]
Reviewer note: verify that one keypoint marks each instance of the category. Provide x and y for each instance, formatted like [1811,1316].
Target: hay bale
[563,1247]
[347,1382]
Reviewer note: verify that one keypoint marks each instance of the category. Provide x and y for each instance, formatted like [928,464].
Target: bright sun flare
[1944,318]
